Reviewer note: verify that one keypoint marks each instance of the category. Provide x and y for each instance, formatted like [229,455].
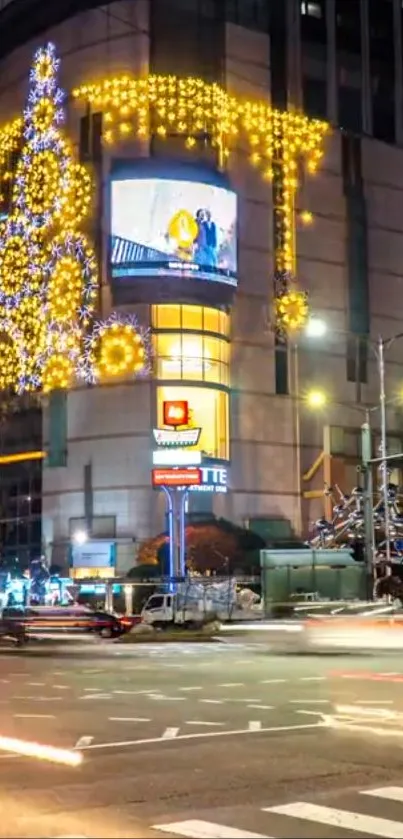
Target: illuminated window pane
[224,324]
[166,316]
[208,409]
[211,320]
[192,317]
[192,356]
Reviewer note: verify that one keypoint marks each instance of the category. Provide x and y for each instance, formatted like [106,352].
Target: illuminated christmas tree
[48,270]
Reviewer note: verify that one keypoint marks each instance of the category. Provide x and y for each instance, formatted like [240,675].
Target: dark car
[42,620]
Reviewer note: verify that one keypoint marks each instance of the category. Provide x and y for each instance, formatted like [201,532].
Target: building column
[397,28]
[331,76]
[294,64]
[366,70]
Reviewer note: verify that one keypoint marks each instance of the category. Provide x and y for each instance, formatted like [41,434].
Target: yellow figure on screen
[183,230]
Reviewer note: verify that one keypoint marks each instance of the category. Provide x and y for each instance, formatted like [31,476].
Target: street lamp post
[384,445]
[317,328]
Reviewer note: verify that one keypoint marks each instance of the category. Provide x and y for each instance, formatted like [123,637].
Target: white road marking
[212,701]
[36,684]
[273,681]
[92,690]
[388,793]
[98,670]
[129,719]
[61,672]
[312,678]
[5,681]
[310,713]
[250,699]
[190,689]
[254,725]
[196,829]
[162,698]
[85,740]
[170,733]
[199,735]
[96,696]
[34,716]
[262,707]
[373,702]
[342,819]
[203,722]
[309,701]
[60,687]
[39,698]
[390,674]
[232,685]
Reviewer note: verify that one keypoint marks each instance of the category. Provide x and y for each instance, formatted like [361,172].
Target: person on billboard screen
[206,240]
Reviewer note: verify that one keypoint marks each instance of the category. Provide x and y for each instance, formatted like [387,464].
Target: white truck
[191,604]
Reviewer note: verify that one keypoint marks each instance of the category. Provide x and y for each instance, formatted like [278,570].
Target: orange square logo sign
[176,413]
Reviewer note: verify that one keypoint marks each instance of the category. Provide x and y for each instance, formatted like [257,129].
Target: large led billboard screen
[178,228]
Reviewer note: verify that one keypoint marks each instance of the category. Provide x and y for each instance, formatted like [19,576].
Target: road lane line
[342,819]
[5,681]
[170,733]
[38,698]
[190,689]
[232,685]
[203,722]
[310,713]
[374,702]
[196,829]
[129,719]
[85,740]
[92,690]
[61,687]
[273,681]
[96,696]
[262,707]
[212,701]
[388,793]
[34,716]
[309,701]
[312,678]
[161,698]
[254,725]
[36,684]
[202,735]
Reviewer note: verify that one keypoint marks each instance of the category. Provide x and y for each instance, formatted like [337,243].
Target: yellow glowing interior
[208,410]
[200,358]
[198,318]
[90,573]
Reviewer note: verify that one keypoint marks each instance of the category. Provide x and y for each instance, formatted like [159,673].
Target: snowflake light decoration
[48,269]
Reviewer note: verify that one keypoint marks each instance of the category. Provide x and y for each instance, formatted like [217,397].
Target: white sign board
[93,555]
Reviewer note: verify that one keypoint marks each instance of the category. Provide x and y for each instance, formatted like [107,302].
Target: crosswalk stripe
[390,793]
[195,829]
[342,819]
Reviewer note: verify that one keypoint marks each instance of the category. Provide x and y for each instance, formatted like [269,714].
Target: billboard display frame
[183,279]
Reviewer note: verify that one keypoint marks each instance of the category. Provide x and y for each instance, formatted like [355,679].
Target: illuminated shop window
[198,318]
[208,409]
[192,356]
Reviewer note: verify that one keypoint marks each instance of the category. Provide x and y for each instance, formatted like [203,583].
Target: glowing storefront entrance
[192,350]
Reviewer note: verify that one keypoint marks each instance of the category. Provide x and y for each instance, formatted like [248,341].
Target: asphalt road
[201,741]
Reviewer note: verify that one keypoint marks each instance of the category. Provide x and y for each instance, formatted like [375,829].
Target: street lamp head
[315,328]
[316,398]
[80,537]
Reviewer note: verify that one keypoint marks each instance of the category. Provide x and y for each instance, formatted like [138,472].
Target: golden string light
[278,141]
[65,289]
[118,350]
[291,310]
[57,373]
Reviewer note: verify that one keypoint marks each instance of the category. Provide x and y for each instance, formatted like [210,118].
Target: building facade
[214,345]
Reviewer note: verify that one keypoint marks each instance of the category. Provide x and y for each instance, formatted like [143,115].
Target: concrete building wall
[110,426]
